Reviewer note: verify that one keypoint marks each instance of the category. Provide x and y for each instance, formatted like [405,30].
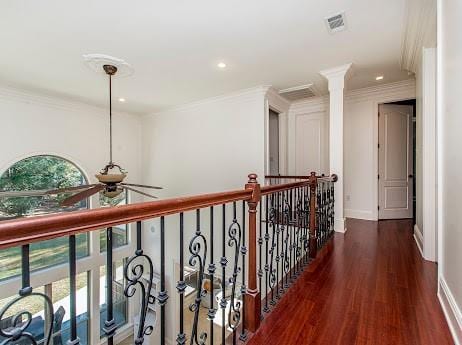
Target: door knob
[411,176]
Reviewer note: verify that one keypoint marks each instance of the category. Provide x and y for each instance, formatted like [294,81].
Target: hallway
[370,286]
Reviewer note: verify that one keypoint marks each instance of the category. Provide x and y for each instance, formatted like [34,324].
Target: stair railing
[245,248]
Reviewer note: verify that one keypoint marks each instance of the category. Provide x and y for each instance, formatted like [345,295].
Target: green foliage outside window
[38,173]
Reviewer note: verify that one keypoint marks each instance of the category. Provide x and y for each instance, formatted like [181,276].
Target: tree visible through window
[37,173]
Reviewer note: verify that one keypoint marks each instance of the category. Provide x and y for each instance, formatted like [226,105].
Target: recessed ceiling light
[380,77]
[122,100]
[221,65]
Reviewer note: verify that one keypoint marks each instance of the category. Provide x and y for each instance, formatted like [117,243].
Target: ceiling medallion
[96,63]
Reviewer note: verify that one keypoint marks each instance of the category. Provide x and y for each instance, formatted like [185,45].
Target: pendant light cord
[110,119]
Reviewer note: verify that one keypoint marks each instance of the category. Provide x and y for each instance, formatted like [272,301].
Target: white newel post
[336,79]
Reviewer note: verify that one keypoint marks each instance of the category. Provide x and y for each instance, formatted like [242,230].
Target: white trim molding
[418,239]
[359,214]
[451,311]
[420,29]
[429,159]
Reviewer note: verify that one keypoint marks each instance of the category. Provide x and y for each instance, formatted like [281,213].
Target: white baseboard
[340,225]
[451,311]
[418,239]
[359,214]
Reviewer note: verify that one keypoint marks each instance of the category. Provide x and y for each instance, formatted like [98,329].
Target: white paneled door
[395,161]
[310,143]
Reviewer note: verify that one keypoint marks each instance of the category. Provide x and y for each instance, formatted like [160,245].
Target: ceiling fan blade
[82,195]
[70,189]
[140,185]
[22,193]
[140,192]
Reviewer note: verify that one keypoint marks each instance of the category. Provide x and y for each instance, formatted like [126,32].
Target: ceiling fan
[110,178]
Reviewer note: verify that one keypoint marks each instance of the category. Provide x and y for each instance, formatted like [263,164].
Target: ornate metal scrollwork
[272,225]
[198,250]
[235,237]
[19,331]
[134,278]
[285,221]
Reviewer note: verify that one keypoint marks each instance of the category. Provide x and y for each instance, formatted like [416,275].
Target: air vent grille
[298,92]
[336,22]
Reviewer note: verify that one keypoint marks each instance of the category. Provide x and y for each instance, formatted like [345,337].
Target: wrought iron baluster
[260,254]
[223,263]
[243,250]
[234,240]
[74,339]
[109,325]
[332,205]
[211,271]
[278,229]
[324,209]
[181,285]
[286,242]
[198,251]
[18,332]
[274,237]
[162,297]
[298,231]
[318,214]
[134,275]
[267,237]
[307,224]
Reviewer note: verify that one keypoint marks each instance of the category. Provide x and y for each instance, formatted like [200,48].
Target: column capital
[336,76]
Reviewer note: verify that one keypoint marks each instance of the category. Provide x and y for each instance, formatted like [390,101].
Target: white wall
[205,147]
[450,161]
[37,124]
[360,136]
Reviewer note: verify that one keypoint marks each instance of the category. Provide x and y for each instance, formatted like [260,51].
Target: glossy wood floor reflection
[369,286]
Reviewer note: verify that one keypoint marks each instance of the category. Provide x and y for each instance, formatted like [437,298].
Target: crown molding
[277,101]
[249,93]
[337,76]
[10,93]
[405,89]
[400,90]
[419,32]
[338,71]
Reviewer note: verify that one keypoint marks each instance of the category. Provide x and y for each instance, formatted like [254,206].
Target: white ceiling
[174,46]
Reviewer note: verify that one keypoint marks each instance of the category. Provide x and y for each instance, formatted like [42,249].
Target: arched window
[52,172]
[42,172]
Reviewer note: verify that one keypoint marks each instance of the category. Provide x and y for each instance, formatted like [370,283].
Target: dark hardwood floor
[369,286]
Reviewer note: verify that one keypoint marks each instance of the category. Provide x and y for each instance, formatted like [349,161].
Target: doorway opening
[273,142]
[397,165]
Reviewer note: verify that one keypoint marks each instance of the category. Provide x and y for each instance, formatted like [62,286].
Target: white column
[336,79]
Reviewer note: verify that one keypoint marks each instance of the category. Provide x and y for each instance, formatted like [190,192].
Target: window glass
[39,173]
[59,293]
[120,302]
[119,232]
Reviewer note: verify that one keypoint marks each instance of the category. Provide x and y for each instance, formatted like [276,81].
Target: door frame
[375,159]
[281,106]
[412,150]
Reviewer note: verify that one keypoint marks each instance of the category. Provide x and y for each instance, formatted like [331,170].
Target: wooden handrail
[299,177]
[282,187]
[39,228]
[320,178]
[331,178]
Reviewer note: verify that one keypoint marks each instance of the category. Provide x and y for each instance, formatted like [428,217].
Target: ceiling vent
[298,92]
[336,23]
